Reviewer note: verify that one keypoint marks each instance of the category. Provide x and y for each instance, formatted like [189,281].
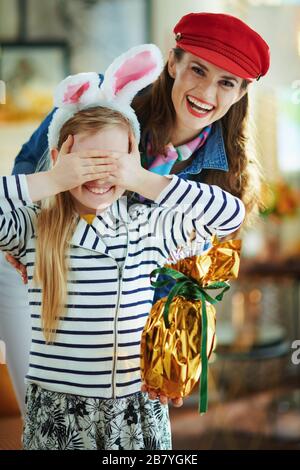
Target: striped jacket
[96,352]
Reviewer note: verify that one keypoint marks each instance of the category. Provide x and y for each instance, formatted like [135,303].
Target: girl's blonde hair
[56,224]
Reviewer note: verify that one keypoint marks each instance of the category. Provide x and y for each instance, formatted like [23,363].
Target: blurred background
[254,378]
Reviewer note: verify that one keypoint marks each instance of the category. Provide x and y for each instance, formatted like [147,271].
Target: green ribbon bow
[191,290]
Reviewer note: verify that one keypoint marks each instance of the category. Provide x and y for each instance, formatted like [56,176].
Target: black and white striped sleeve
[17,215]
[184,205]
[212,210]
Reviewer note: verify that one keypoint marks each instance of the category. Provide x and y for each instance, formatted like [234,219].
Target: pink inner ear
[133,69]
[74,92]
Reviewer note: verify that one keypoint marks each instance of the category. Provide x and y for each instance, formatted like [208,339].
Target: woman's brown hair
[156,114]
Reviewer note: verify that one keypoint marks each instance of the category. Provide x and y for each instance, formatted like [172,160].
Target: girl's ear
[131,72]
[54,154]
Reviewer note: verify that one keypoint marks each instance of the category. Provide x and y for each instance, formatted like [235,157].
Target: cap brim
[218,59]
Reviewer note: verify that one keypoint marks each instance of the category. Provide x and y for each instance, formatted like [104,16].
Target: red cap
[226,42]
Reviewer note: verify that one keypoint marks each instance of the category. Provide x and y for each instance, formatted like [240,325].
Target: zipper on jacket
[120,272]
[120,283]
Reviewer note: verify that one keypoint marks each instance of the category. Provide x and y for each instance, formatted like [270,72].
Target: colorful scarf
[163,164]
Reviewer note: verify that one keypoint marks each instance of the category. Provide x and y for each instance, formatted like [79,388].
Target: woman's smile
[197,107]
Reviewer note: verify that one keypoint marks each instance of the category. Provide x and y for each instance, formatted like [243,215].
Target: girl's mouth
[99,191]
[197,108]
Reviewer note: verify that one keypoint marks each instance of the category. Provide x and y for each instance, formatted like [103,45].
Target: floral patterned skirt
[58,421]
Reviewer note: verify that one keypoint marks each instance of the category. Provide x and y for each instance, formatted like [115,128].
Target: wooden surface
[10,433]
[8,402]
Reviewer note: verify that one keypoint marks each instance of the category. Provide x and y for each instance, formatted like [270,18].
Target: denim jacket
[212,155]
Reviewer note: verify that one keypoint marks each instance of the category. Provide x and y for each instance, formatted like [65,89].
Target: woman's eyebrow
[228,77]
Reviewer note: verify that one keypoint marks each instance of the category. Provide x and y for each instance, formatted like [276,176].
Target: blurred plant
[280,200]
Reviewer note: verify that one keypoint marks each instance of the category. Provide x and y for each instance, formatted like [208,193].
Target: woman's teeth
[98,190]
[199,105]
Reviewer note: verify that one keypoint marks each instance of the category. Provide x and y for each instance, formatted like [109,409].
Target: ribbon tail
[203,399]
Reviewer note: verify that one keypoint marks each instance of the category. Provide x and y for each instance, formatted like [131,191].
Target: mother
[193,118]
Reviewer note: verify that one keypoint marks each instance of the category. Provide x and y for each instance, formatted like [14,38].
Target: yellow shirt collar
[88,218]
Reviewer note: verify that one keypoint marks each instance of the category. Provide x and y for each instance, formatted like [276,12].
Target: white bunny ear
[77,91]
[128,74]
[74,93]
[131,72]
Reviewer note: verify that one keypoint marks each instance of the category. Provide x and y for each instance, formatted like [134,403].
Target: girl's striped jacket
[97,349]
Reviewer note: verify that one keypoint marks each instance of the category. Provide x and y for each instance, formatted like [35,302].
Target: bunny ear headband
[128,74]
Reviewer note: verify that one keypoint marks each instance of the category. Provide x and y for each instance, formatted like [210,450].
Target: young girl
[89,260]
